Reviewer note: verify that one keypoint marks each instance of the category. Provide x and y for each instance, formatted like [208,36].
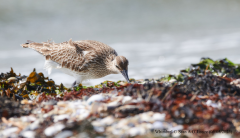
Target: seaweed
[203,97]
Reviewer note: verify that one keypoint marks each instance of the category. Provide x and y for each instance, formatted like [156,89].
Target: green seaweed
[219,67]
[36,82]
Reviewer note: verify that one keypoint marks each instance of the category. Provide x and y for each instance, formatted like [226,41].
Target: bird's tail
[43,48]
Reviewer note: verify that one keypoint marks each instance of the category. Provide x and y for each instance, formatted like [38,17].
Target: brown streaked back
[74,55]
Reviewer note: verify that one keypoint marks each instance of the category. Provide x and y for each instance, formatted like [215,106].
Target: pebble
[34,125]
[83,115]
[28,134]
[158,125]
[95,107]
[61,117]
[94,98]
[107,120]
[10,131]
[50,131]
[126,99]
[64,134]
[158,117]
[136,131]
[99,129]
[28,118]
[146,118]
[210,103]
[117,132]
[103,122]
[114,104]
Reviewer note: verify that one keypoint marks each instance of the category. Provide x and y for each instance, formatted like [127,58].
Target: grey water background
[157,36]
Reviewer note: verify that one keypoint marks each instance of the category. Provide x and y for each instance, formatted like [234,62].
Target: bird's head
[120,65]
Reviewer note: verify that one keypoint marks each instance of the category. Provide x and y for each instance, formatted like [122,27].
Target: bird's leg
[74,84]
[78,81]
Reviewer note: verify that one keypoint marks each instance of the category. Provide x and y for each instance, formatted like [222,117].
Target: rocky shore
[201,101]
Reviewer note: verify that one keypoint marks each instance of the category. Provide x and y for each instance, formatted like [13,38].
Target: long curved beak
[125,75]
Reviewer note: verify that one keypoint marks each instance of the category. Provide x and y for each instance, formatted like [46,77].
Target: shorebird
[86,59]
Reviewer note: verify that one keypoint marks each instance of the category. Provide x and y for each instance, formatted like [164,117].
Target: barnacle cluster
[202,98]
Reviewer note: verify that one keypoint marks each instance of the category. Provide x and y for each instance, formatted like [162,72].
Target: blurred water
[158,36]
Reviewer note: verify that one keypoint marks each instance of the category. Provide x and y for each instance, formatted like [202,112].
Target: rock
[9,131]
[64,134]
[99,129]
[61,117]
[158,117]
[28,134]
[50,131]
[136,131]
[28,118]
[34,125]
[126,99]
[158,125]
[104,122]
[94,98]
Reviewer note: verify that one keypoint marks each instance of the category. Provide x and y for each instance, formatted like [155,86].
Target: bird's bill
[125,75]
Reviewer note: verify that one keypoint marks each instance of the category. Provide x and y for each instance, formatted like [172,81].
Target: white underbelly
[49,65]
[71,72]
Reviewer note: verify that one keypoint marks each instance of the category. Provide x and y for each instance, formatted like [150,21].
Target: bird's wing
[74,55]
[93,52]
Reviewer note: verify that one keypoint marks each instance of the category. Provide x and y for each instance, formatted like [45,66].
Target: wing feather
[75,55]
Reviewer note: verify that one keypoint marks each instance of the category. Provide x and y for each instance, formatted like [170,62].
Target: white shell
[50,131]
[94,98]
[159,117]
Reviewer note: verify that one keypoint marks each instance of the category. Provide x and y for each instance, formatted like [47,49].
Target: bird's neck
[112,67]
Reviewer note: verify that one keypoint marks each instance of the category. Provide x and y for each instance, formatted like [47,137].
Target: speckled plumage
[86,59]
